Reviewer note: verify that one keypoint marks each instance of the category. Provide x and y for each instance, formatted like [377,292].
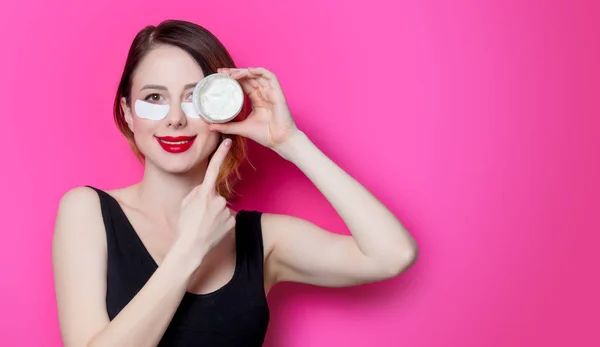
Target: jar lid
[218,98]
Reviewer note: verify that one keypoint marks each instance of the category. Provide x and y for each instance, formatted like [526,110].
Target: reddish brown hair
[210,54]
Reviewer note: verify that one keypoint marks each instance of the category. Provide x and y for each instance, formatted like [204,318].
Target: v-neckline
[155,265]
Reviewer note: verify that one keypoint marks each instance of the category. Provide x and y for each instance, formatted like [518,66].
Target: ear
[127,113]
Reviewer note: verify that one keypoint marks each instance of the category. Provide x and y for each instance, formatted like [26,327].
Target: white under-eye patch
[151,111]
[190,110]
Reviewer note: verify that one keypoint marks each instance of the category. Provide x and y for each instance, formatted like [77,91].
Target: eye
[189,97]
[154,98]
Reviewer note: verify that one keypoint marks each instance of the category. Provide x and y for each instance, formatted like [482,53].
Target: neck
[162,192]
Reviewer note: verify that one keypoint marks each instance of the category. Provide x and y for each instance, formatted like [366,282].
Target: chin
[176,166]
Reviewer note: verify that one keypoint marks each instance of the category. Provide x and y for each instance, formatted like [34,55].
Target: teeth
[175,143]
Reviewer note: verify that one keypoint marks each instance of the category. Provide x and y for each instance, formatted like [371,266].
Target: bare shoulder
[78,197]
[278,232]
[79,215]
[269,224]
[278,228]
[79,265]
[274,225]
[78,201]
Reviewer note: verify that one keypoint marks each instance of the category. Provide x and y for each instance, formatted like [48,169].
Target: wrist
[294,145]
[183,257]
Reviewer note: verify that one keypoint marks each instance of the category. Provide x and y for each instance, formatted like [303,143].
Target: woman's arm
[79,261]
[379,248]
[296,250]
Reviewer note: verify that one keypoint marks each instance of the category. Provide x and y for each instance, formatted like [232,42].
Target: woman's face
[165,135]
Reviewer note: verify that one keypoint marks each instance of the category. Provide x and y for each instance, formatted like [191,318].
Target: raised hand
[270,122]
[204,217]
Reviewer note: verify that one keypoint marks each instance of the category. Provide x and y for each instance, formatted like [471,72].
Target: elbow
[403,259]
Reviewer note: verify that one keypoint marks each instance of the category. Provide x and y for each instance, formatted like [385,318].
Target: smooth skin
[188,228]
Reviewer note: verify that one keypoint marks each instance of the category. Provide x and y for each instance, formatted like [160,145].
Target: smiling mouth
[175,140]
[176,144]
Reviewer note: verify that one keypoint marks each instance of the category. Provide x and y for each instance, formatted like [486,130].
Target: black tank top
[237,314]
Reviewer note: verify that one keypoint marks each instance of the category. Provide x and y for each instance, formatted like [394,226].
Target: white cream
[147,110]
[218,98]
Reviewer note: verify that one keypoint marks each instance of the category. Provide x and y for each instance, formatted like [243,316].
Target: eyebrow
[159,87]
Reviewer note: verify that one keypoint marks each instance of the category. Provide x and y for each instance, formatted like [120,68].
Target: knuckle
[220,201]
[230,222]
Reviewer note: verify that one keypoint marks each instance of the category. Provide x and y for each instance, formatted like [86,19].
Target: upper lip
[176,138]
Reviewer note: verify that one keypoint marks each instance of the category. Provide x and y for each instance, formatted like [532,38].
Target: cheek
[209,139]
[144,129]
[200,127]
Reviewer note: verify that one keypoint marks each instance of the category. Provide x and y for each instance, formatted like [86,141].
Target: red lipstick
[176,144]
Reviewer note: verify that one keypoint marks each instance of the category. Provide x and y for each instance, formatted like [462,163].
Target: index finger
[214,166]
[244,78]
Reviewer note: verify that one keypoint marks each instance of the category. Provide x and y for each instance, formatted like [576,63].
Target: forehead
[169,66]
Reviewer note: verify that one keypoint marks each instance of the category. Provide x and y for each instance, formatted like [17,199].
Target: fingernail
[227,142]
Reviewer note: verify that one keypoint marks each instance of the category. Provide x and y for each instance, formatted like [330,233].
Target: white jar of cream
[218,98]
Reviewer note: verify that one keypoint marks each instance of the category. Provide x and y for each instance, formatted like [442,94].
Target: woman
[165,261]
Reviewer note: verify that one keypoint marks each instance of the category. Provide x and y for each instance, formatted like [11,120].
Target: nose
[176,118]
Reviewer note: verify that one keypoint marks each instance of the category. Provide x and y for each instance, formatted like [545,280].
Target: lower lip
[176,148]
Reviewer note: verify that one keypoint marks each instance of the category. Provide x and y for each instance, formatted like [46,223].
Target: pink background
[475,121]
